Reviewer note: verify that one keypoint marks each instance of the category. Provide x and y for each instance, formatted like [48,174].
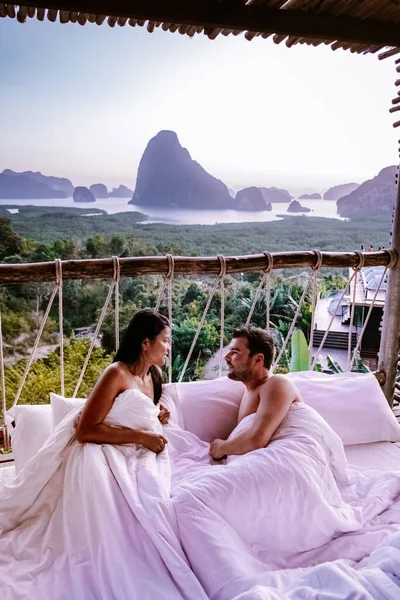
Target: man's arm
[275,400]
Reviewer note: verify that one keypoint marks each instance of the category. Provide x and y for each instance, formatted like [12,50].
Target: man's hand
[164,415]
[217,450]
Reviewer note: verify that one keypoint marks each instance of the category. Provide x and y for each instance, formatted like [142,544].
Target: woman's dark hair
[145,324]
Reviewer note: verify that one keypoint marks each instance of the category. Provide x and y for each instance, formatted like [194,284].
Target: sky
[83,102]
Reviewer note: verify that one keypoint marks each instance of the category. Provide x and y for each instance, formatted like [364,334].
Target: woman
[143,350]
[90,516]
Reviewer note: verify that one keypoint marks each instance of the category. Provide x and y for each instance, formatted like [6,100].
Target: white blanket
[87,521]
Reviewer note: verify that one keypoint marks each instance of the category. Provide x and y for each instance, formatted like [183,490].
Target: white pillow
[169,399]
[32,428]
[61,407]
[210,408]
[352,403]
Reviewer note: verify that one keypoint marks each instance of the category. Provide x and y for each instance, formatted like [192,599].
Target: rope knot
[361,260]
[270,262]
[319,259]
[222,268]
[171,266]
[117,269]
[58,265]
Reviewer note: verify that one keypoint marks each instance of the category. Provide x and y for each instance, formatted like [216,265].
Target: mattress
[381,456]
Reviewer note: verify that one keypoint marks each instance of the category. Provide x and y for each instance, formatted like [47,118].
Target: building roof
[367,284]
[361,26]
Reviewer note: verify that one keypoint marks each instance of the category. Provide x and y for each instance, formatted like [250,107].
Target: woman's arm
[91,427]
[275,400]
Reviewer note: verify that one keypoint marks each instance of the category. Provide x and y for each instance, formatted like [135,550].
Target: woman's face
[159,348]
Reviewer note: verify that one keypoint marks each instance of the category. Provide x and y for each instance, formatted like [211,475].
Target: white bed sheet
[383,456]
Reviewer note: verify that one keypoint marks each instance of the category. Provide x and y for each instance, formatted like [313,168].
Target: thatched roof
[355,25]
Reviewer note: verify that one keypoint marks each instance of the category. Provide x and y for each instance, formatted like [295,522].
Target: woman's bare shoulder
[115,372]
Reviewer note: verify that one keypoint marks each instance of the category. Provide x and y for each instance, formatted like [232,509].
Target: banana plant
[300,353]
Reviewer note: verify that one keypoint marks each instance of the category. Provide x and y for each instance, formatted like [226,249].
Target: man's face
[238,360]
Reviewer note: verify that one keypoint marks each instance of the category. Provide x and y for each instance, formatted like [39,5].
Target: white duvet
[102,522]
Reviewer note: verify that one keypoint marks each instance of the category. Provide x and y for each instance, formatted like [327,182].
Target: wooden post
[389,348]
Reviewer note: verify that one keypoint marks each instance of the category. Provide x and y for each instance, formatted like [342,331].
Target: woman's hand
[164,415]
[217,450]
[153,441]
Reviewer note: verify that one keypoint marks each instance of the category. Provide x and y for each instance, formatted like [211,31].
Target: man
[249,360]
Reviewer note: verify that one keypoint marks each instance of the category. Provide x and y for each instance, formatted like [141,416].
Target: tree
[10,242]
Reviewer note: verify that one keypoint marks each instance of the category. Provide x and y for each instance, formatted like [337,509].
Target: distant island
[251,198]
[375,196]
[296,207]
[83,194]
[338,191]
[314,196]
[169,177]
[30,185]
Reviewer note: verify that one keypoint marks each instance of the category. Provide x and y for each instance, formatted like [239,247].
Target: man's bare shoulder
[280,386]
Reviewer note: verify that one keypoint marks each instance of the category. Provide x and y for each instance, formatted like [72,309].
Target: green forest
[41,234]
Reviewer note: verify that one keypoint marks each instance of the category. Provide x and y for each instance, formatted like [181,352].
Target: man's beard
[239,375]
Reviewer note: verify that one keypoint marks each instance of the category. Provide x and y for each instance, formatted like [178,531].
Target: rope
[367,319]
[59,284]
[292,326]
[331,321]
[3,389]
[169,277]
[264,279]
[116,278]
[35,346]
[221,276]
[357,269]
[201,323]
[166,278]
[97,330]
[315,268]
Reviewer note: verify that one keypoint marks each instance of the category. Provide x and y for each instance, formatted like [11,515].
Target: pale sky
[82,102]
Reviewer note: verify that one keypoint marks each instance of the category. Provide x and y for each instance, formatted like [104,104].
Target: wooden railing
[103,268]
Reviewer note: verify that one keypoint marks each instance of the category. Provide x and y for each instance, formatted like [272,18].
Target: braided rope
[360,337]
[357,269]
[169,277]
[221,276]
[199,327]
[166,278]
[293,324]
[59,284]
[331,321]
[3,389]
[35,346]
[95,335]
[264,279]
[315,268]
[116,278]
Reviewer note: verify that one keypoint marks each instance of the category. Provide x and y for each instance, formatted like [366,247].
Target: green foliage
[10,242]
[44,375]
[300,354]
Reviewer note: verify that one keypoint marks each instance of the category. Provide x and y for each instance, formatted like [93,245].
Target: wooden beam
[235,15]
[183,265]
[390,338]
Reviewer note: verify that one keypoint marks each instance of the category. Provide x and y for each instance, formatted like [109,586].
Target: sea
[179,216]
